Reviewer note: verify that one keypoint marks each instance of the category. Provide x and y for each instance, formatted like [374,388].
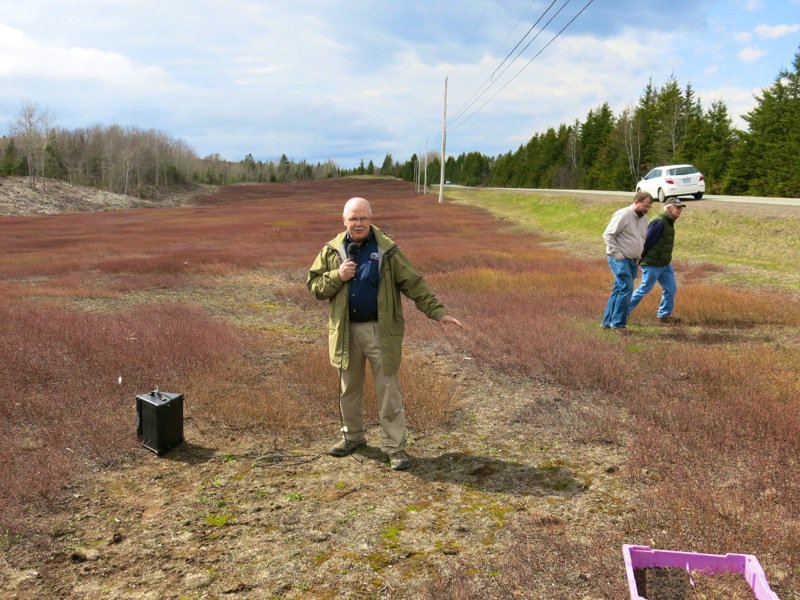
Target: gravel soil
[235,516]
[19,197]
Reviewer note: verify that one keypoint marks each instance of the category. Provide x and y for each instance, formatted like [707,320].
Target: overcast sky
[347,80]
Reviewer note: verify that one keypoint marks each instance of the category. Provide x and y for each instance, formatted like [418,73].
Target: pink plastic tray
[642,557]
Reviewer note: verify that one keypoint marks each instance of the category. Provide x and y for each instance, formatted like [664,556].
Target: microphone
[352,250]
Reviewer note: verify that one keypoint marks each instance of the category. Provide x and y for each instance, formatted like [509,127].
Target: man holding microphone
[362,272]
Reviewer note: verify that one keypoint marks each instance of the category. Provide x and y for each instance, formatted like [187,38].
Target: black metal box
[159,423]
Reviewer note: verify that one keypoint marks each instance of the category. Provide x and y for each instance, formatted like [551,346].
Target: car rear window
[688,170]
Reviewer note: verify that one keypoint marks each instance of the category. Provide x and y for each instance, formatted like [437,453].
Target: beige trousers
[365,345]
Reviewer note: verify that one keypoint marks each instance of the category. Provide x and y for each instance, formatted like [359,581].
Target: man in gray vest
[656,261]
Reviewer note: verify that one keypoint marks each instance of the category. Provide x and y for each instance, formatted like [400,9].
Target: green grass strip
[755,249]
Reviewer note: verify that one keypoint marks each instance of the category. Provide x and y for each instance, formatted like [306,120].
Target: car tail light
[669,181]
[702,177]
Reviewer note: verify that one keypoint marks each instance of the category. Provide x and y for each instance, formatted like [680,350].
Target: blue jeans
[624,271]
[665,277]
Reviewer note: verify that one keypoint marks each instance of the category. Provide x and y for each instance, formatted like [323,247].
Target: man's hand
[347,270]
[449,319]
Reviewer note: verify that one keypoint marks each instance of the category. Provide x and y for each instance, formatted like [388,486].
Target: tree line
[667,125]
[144,163]
[605,151]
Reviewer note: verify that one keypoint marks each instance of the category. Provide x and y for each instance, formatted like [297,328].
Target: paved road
[755,200]
[629,195]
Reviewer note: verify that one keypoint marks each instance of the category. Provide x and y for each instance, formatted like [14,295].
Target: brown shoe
[399,461]
[621,330]
[669,320]
[346,447]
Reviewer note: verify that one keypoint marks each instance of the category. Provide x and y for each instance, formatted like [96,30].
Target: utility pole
[444,144]
[425,162]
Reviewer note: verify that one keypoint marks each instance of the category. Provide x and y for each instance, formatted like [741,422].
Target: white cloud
[15,47]
[776,31]
[24,56]
[750,54]
[743,37]
[739,101]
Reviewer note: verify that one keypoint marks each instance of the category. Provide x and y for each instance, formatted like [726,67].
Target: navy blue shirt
[654,231]
[363,298]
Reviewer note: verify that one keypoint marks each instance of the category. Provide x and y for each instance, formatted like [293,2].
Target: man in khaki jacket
[362,272]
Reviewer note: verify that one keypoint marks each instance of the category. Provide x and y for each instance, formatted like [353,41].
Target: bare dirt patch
[18,197]
[230,514]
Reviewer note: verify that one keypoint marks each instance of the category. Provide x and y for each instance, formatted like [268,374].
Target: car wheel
[661,196]
[698,195]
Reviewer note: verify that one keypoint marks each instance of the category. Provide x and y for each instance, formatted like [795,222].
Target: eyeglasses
[357,219]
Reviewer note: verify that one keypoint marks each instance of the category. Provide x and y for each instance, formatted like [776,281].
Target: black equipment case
[159,423]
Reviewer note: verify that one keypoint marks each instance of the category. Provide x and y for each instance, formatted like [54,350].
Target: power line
[476,111]
[480,20]
[478,92]
[482,88]
[503,43]
[455,121]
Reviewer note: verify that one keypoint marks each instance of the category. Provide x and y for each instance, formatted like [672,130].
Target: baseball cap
[675,201]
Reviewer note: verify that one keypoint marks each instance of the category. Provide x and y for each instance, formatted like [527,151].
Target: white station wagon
[673,180]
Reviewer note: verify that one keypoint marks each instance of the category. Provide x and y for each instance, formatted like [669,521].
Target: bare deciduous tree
[31,129]
[631,135]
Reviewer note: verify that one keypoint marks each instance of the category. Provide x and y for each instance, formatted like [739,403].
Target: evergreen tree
[502,174]
[10,160]
[646,121]
[434,170]
[406,171]
[387,166]
[249,165]
[283,168]
[672,115]
[54,166]
[713,146]
[691,149]
[764,161]
[613,168]
[595,134]
[474,169]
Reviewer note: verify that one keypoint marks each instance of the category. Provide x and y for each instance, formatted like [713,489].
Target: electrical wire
[508,35]
[476,111]
[480,20]
[479,91]
[455,122]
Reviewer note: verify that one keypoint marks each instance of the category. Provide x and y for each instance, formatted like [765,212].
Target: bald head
[357,205]
[357,215]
